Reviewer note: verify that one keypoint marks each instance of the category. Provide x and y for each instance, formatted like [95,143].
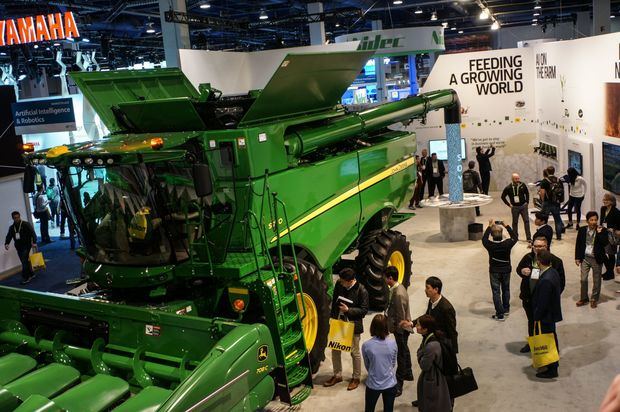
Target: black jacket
[445,318]
[27,236]
[546,303]
[527,262]
[545,231]
[357,310]
[499,252]
[600,241]
[440,168]
[611,220]
[484,164]
[520,190]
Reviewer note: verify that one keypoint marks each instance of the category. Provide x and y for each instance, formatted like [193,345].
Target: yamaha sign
[34,29]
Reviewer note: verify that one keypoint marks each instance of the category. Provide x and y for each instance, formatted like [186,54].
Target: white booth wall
[570,77]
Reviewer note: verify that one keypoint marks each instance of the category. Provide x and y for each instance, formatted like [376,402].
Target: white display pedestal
[454,218]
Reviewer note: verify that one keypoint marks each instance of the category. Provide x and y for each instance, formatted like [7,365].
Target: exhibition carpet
[61,264]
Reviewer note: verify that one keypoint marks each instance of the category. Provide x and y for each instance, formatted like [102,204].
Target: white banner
[398,42]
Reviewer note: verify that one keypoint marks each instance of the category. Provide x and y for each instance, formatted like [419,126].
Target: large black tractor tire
[315,287]
[375,250]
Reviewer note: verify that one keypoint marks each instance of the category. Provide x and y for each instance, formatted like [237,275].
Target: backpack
[557,190]
[469,185]
[51,195]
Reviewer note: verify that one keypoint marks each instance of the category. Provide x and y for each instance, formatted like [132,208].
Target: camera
[499,222]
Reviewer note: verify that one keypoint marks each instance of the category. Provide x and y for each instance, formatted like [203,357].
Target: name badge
[515,199]
[535,274]
[435,170]
[589,249]
[17,236]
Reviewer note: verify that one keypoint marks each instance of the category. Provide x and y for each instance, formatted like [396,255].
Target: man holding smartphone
[499,265]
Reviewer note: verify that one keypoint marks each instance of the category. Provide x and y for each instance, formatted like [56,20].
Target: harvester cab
[211,226]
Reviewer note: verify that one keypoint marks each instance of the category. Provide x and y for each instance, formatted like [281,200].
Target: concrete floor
[505,377]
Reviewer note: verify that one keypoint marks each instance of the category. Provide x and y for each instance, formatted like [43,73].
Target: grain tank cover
[138,93]
[306,83]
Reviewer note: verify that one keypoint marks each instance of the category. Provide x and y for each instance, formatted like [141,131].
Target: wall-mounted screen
[575,159]
[441,148]
[611,167]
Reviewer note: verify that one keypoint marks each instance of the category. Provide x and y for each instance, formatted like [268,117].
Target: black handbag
[462,383]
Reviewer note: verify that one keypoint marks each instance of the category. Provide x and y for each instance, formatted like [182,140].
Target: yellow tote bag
[36,261]
[340,335]
[543,348]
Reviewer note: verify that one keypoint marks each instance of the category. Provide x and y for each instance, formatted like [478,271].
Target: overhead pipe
[302,142]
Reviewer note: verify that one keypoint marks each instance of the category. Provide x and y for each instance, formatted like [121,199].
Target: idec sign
[32,29]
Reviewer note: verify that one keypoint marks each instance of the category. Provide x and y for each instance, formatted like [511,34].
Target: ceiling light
[36,46]
[452,28]
[337,24]
[537,5]
[534,19]
[612,16]
[397,2]
[534,24]
[444,24]
[205,6]
[86,40]
[56,44]
[21,77]
[536,13]
[263,15]
[484,14]
[460,31]
[2,54]
[434,16]
[418,11]
[149,28]
[495,25]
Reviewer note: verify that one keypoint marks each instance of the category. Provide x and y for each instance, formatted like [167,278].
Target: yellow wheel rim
[398,261]
[310,322]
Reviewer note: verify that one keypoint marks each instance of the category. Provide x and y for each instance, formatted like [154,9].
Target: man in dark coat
[529,272]
[441,309]
[435,172]
[23,236]
[590,255]
[484,166]
[350,301]
[423,165]
[546,305]
[397,311]
[541,220]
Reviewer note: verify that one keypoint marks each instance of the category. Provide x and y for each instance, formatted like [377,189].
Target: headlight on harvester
[239,299]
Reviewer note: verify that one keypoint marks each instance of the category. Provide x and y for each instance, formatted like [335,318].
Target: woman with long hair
[379,354]
[433,392]
[577,187]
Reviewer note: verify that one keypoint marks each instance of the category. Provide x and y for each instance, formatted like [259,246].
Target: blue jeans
[553,209]
[500,286]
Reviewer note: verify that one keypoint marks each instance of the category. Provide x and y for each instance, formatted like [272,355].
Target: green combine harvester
[211,227]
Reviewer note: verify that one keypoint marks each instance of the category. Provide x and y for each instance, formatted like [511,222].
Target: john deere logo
[437,38]
[263,352]
[379,43]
